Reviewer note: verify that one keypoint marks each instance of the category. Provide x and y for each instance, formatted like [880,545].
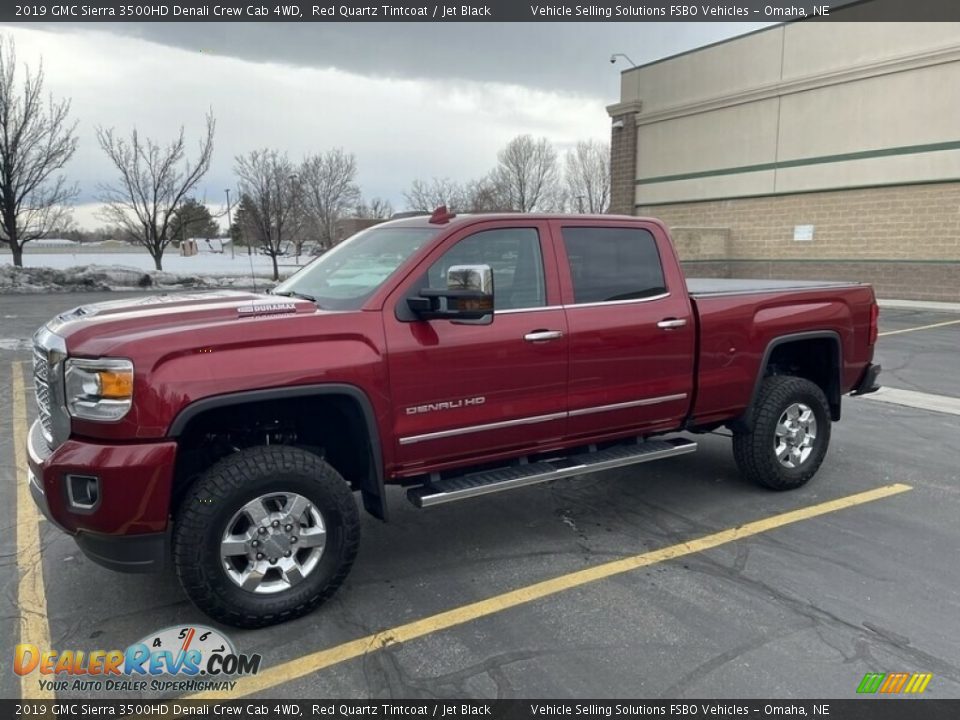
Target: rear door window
[609,264]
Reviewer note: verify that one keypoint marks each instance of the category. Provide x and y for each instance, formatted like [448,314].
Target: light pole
[230,226]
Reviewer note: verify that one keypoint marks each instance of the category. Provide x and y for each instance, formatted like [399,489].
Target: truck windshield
[344,277]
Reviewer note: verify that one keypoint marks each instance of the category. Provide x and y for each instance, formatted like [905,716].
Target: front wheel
[265,535]
[789,436]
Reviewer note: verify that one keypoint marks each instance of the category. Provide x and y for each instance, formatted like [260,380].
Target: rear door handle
[543,335]
[671,323]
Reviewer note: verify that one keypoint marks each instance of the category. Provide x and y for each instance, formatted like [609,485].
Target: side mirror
[468,296]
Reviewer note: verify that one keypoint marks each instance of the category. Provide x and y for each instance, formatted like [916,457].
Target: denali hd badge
[446,405]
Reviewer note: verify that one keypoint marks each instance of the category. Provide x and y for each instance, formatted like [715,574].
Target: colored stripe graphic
[871,682]
[918,683]
[893,683]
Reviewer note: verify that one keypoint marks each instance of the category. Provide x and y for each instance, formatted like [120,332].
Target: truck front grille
[41,381]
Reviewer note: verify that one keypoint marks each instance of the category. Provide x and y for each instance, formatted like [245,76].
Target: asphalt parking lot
[796,607]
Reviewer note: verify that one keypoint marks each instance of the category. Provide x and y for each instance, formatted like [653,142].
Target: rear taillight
[874,318]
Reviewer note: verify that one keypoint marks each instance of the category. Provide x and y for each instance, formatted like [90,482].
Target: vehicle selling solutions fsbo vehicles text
[636,11]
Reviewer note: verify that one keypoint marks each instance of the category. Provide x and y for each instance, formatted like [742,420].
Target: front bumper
[128,528]
[869,382]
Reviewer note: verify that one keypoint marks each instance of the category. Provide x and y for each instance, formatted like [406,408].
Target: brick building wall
[905,240]
[623,163]
[849,127]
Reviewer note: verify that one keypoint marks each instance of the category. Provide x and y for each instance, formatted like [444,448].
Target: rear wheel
[265,535]
[789,436]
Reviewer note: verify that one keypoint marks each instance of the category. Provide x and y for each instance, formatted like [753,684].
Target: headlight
[98,389]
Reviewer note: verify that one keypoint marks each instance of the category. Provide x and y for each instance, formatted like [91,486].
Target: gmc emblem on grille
[446,405]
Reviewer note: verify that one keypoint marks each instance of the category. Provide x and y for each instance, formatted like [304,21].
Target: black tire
[217,496]
[754,450]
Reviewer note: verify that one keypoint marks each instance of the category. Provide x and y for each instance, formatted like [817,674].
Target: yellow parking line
[303,666]
[31,595]
[922,327]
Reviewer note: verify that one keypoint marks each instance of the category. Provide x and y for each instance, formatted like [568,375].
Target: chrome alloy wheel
[273,543]
[796,435]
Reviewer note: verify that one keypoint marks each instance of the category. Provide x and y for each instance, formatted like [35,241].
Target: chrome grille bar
[49,353]
[41,370]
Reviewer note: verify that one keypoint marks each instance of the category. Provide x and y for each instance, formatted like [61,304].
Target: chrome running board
[437,492]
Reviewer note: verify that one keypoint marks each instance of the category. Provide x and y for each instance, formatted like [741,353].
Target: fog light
[83,491]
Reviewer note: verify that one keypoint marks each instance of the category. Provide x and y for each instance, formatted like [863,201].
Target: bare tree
[526,176]
[484,196]
[328,190]
[588,177]
[473,196]
[376,208]
[269,188]
[36,141]
[428,195]
[154,179]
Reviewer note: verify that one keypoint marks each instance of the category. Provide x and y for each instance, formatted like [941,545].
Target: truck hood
[92,329]
[186,347]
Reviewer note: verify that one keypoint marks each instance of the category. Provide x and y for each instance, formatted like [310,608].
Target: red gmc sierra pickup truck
[453,355]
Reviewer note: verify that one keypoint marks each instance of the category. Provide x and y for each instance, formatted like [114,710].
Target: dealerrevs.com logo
[176,659]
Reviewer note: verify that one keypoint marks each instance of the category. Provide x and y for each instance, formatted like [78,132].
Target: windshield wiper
[294,293]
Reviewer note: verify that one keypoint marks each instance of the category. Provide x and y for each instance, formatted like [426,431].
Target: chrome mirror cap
[476,278]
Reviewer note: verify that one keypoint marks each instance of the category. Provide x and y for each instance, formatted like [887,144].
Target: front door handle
[671,323]
[543,335]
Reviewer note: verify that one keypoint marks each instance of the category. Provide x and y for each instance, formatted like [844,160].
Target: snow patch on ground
[201,264]
[115,277]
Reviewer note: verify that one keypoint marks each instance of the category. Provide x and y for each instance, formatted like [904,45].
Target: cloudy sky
[409,100]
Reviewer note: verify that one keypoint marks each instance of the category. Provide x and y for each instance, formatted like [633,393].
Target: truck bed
[706,287]
[737,319]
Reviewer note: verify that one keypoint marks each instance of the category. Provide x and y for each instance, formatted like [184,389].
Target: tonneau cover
[701,287]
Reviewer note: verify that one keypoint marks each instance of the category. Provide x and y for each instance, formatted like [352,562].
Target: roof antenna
[441,216]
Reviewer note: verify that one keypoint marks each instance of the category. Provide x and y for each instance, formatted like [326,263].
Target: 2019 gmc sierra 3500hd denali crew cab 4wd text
[454,355]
